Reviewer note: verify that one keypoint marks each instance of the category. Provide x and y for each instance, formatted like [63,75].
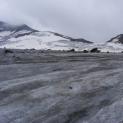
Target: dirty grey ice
[60,87]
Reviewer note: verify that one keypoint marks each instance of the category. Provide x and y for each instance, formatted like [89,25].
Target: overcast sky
[95,20]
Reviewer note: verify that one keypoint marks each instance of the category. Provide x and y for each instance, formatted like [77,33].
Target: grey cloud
[96,20]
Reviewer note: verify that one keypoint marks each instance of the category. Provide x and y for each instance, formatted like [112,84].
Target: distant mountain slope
[115,44]
[8,31]
[72,39]
[117,39]
[24,37]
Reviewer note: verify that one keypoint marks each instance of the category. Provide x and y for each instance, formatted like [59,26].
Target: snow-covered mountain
[115,44]
[24,37]
[117,39]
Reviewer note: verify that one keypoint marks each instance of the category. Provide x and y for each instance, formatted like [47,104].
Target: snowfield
[24,37]
[43,40]
[60,87]
[48,40]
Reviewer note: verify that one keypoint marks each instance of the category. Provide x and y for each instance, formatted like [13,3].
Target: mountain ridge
[24,37]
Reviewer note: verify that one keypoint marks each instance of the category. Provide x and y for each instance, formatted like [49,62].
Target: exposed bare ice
[60,87]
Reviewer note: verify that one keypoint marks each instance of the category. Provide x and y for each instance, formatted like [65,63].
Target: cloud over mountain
[95,20]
